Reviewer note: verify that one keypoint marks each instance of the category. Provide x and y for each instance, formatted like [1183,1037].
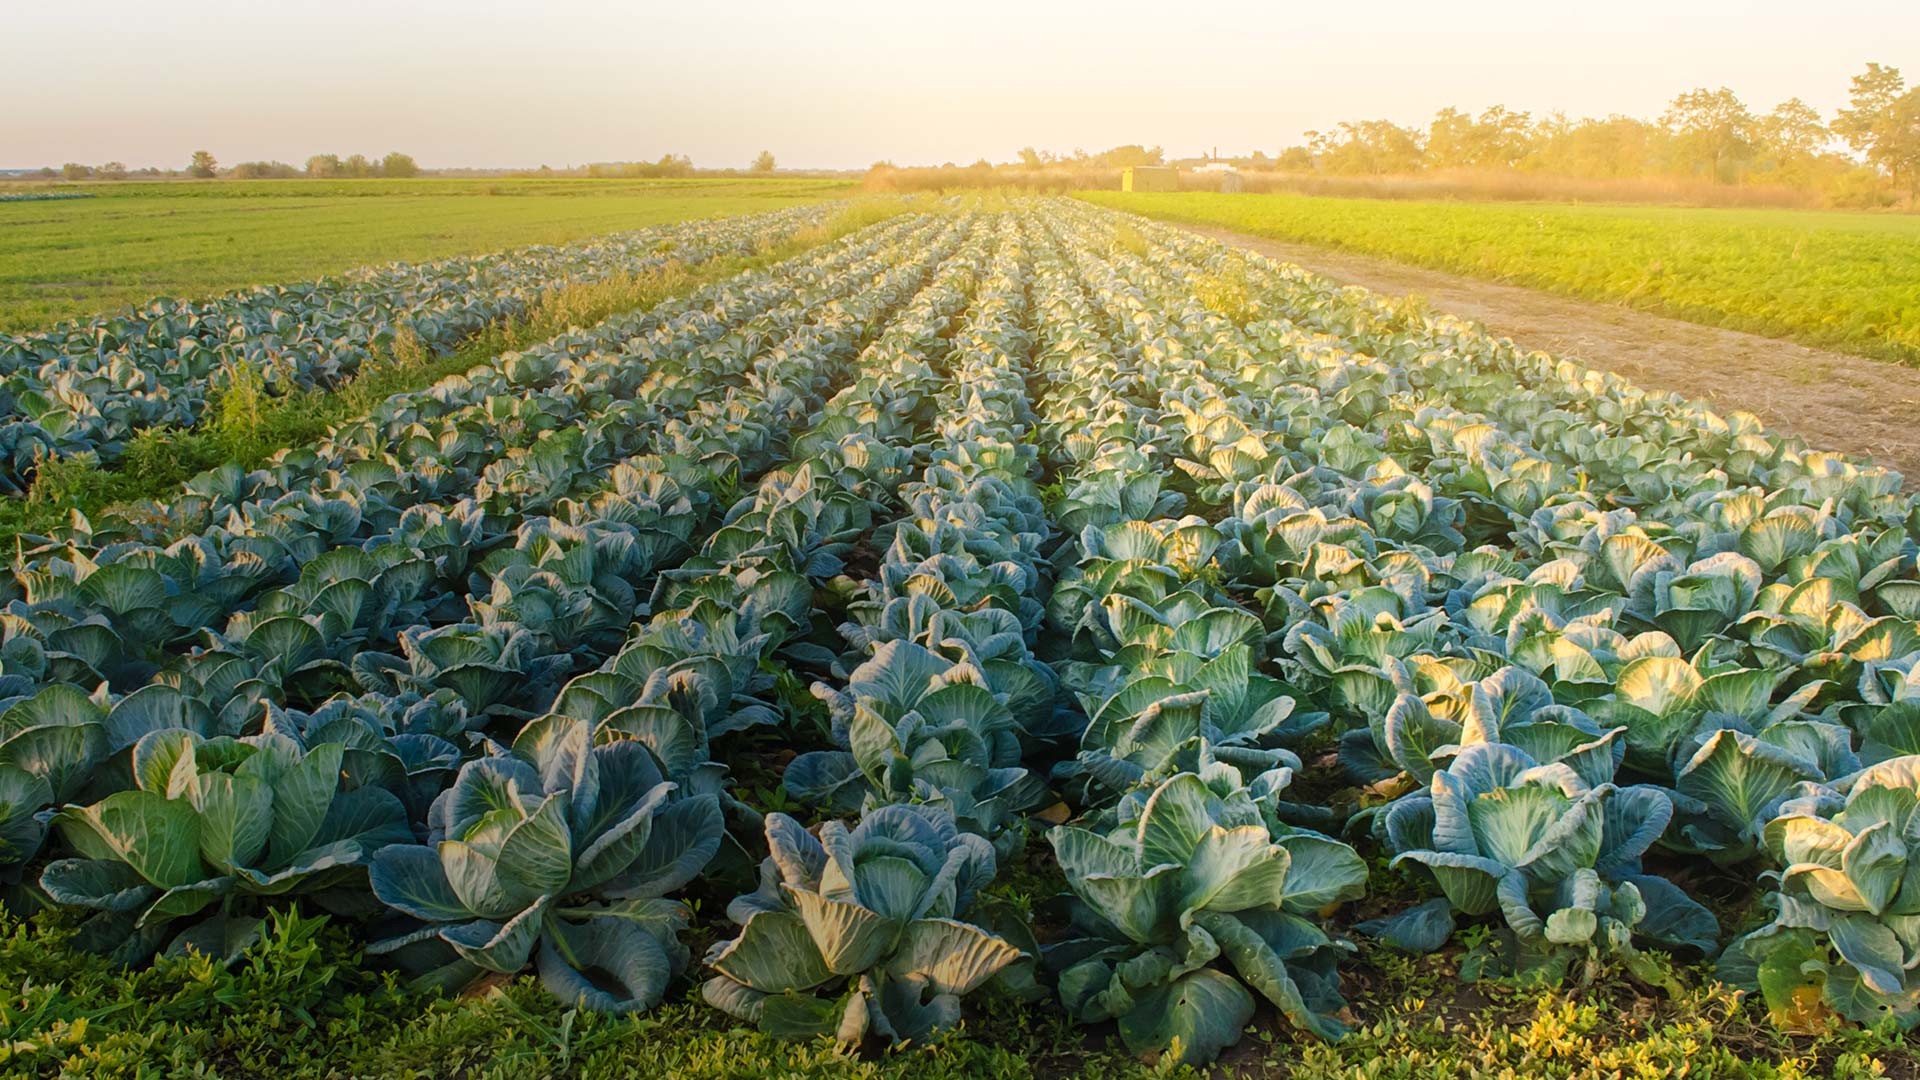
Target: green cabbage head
[858,932]
[219,824]
[1846,928]
[562,853]
[1199,876]
[1558,858]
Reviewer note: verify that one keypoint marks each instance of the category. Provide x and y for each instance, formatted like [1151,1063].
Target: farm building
[1150,178]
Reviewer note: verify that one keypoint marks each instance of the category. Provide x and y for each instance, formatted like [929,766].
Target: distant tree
[1712,132]
[1884,124]
[1131,154]
[322,166]
[1368,147]
[764,163]
[669,165]
[73,170]
[263,170]
[46,173]
[203,166]
[1030,157]
[1449,139]
[1295,159]
[1501,136]
[1792,130]
[1613,148]
[398,165]
[1872,101]
[357,167]
[112,170]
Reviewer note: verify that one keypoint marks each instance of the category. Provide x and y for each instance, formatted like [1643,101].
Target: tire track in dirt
[1866,408]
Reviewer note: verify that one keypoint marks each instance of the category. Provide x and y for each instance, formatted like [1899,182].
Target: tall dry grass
[1058,178]
[1486,185]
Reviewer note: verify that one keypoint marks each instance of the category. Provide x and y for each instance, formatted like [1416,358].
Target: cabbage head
[860,931]
[560,853]
[1198,876]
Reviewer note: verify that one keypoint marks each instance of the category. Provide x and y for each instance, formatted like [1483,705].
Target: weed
[307,1002]
[1229,292]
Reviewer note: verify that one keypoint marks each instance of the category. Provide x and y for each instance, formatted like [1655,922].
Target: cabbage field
[88,385]
[1011,602]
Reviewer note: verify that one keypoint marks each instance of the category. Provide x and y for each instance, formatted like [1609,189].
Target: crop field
[125,407]
[134,241]
[1846,281]
[991,637]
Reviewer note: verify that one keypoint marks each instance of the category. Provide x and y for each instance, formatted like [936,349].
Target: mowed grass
[1847,281]
[136,241]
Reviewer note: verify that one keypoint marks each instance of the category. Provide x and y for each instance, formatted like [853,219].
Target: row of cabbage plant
[1192,889]
[88,385]
[879,928]
[690,674]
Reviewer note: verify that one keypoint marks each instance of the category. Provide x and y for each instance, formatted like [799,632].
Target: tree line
[669,167]
[396,165]
[203,166]
[1704,134]
[1866,154]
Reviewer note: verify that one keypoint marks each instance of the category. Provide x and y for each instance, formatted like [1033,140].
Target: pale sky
[842,85]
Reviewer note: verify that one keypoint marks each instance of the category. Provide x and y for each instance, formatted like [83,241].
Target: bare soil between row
[1851,404]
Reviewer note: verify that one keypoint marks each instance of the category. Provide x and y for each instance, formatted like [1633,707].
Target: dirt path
[1869,408]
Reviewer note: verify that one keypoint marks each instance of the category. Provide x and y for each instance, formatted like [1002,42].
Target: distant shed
[1150,178]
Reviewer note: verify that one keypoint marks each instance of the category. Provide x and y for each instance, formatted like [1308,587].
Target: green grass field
[1848,281]
[138,240]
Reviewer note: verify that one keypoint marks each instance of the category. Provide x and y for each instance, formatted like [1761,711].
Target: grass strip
[306,1002]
